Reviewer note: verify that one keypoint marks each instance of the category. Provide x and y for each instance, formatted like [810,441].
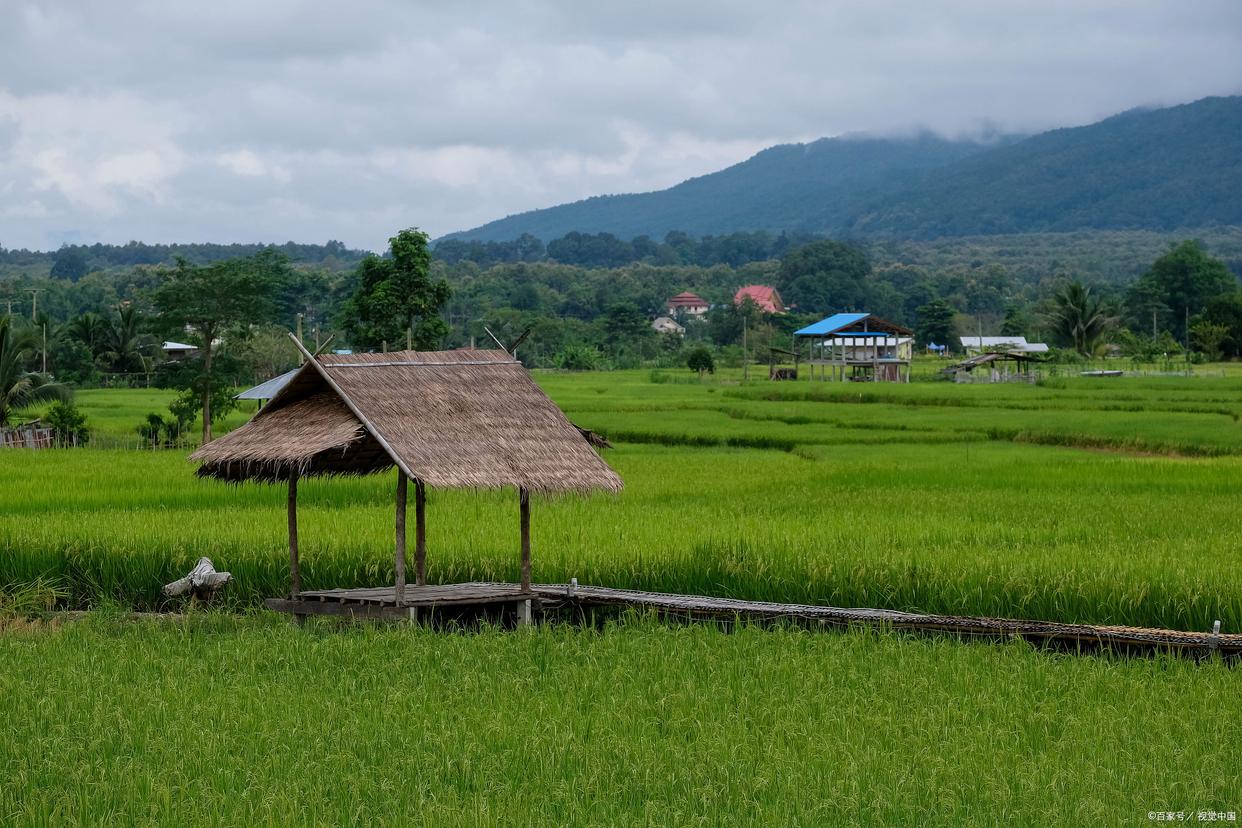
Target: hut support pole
[295,571]
[400,558]
[420,533]
[524,502]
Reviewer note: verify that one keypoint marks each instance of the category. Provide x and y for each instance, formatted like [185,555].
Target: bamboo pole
[420,533]
[295,570]
[400,557]
[524,502]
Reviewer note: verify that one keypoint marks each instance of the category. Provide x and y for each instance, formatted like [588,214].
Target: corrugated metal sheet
[832,324]
[267,390]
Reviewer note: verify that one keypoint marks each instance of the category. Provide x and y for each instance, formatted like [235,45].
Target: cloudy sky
[237,120]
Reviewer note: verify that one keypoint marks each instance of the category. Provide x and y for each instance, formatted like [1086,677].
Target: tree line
[106,328]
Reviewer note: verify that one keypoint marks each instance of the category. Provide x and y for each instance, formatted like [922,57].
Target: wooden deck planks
[380,602]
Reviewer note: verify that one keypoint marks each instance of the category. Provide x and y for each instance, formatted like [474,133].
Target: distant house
[1008,344]
[179,350]
[688,303]
[663,324]
[768,300]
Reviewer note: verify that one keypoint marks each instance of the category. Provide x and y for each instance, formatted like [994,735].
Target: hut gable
[451,419]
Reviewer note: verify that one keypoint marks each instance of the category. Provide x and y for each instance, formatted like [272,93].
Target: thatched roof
[453,419]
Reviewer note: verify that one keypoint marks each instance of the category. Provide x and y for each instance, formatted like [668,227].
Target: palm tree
[123,343]
[1079,318]
[20,388]
[90,329]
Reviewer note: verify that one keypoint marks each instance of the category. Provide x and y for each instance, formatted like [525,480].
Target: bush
[700,359]
[69,424]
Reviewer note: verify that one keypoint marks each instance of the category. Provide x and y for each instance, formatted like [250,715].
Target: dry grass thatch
[453,419]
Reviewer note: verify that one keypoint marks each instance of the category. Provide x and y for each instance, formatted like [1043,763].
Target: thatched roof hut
[452,419]
[447,419]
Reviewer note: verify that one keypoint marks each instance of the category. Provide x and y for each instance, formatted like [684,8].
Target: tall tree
[203,301]
[123,343]
[1078,318]
[396,296]
[19,388]
[935,323]
[1182,280]
[825,276]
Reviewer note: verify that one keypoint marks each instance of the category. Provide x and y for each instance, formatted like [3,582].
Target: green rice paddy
[1112,501]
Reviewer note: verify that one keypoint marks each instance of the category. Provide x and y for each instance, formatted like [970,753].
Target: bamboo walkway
[458,598]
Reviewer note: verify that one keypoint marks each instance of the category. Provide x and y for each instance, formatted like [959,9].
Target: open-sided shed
[858,346]
[447,419]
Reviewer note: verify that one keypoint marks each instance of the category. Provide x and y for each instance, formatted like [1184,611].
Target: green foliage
[70,263]
[206,300]
[1078,319]
[1181,282]
[700,360]
[20,388]
[935,324]
[69,424]
[1226,310]
[825,277]
[396,298]
[579,358]
[1207,337]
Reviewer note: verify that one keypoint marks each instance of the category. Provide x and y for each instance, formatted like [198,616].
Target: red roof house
[768,300]
[687,302]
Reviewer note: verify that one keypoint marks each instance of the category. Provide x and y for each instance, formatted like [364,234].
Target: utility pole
[745,353]
[1153,324]
[34,306]
[45,347]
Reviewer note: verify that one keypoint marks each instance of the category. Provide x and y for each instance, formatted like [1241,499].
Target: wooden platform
[381,603]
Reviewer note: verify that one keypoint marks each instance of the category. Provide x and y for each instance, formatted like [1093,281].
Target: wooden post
[400,558]
[295,571]
[524,502]
[420,533]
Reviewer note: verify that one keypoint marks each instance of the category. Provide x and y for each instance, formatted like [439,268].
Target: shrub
[69,424]
[700,359]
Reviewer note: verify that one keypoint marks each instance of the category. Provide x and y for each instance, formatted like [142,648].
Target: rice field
[1078,500]
[928,496]
[224,720]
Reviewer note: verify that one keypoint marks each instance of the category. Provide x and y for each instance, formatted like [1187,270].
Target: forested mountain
[793,187]
[1156,169]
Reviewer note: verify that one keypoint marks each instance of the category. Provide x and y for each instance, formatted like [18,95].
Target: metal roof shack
[447,419]
[1002,366]
[860,347]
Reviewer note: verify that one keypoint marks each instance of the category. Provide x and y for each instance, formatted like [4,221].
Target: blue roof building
[860,347]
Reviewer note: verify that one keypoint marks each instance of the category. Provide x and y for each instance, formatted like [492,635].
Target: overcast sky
[271,120]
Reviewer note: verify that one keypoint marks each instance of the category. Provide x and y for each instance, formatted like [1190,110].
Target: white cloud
[313,119]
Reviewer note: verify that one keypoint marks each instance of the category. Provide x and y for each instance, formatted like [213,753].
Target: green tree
[824,276]
[90,329]
[1227,310]
[123,343]
[396,297]
[1078,318]
[68,423]
[1183,280]
[19,388]
[1017,321]
[1206,337]
[935,323]
[70,263]
[204,301]
[700,360]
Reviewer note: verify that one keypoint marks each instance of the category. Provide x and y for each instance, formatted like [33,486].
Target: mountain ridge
[1145,168]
